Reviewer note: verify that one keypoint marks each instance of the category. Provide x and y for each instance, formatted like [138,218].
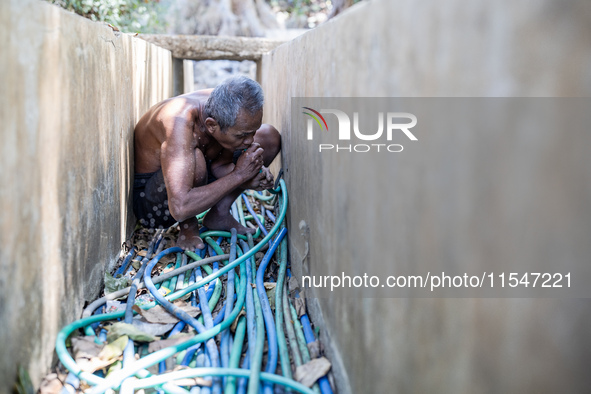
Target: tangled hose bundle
[234,361]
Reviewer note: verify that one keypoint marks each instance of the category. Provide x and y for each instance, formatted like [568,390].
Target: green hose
[236,353]
[293,343]
[174,279]
[171,283]
[281,342]
[257,354]
[217,291]
[260,196]
[241,217]
[201,215]
[226,234]
[299,331]
[236,372]
[301,339]
[154,358]
[104,384]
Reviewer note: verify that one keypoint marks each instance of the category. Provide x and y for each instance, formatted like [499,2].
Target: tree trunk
[339,6]
[248,18]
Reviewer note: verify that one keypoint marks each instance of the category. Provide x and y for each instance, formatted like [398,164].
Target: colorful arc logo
[315,118]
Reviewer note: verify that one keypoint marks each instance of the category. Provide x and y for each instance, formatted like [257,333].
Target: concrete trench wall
[72,91]
[429,48]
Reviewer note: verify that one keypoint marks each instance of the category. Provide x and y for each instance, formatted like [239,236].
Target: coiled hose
[250,327]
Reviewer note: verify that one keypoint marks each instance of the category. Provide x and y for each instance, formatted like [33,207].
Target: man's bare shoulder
[201,95]
[187,106]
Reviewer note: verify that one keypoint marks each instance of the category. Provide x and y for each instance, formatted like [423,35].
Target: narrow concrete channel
[226,318]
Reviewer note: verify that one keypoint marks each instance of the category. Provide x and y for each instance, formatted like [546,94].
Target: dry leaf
[51,384]
[293,284]
[307,374]
[115,284]
[86,353]
[114,349]
[314,349]
[136,264]
[120,329]
[141,244]
[85,347]
[270,296]
[167,259]
[300,306]
[235,322]
[160,315]
[151,328]
[157,345]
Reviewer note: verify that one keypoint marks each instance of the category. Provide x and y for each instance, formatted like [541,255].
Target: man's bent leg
[270,140]
[219,217]
[189,238]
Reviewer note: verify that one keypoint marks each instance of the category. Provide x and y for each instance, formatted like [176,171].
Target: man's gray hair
[232,95]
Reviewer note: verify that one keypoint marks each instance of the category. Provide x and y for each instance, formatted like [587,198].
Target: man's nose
[249,140]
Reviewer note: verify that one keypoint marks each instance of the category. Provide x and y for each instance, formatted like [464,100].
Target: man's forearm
[199,199]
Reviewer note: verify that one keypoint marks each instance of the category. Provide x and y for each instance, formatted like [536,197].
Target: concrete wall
[188,76]
[407,48]
[72,91]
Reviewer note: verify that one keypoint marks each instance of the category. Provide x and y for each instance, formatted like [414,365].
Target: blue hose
[242,381]
[103,335]
[223,328]
[89,330]
[73,381]
[190,352]
[212,350]
[254,215]
[224,344]
[125,263]
[267,312]
[181,279]
[179,313]
[271,216]
[203,304]
[129,351]
[323,382]
[250,316]
[220,317]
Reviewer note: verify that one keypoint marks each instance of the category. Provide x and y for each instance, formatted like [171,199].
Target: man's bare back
[150,131]
[191,156]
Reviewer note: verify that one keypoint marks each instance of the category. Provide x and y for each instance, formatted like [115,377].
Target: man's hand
[250,162]
[261,181]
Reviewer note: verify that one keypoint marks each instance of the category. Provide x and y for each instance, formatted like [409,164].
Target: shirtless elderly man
[199,151]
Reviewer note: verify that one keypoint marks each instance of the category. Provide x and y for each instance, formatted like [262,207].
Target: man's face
[241,135]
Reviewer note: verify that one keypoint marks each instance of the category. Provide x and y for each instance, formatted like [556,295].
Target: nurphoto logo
[394,126]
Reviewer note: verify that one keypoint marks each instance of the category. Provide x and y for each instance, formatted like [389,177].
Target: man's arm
[183,166]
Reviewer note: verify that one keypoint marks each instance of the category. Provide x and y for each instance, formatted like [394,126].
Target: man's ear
[212,125]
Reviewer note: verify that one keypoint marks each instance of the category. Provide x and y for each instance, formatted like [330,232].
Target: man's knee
[270,140]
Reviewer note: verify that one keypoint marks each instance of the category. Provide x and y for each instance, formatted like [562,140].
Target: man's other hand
[250,162]
[261,181]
